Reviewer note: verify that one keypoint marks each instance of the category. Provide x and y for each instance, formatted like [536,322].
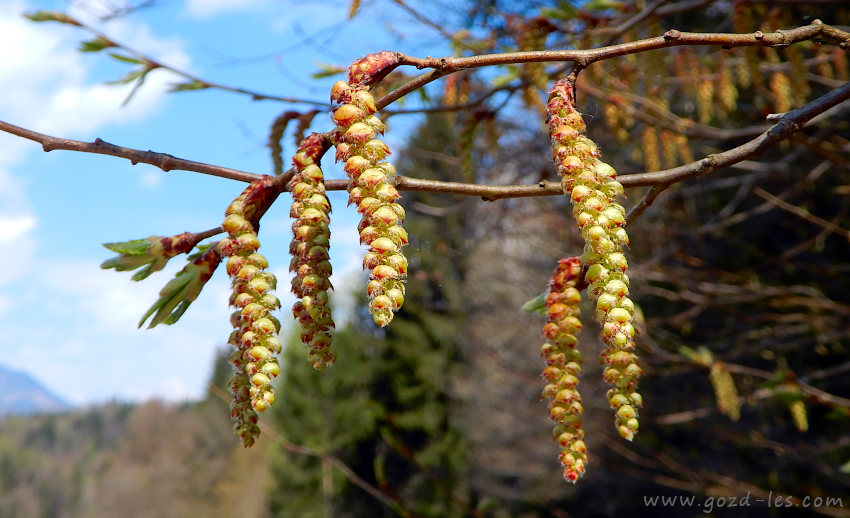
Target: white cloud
[98,354]
[47,85]
[74,325]
[210,8]
[17,222]
[151,179]
[14,227]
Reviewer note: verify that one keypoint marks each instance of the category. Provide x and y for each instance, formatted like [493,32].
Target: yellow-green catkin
[255,333]
[796,406]
[725,391]
[651,157]
[727,92]
[798,414]
[371,189]
[563,366]
[309,248]
[592,186]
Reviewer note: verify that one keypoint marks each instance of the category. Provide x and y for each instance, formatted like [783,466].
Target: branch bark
[787,125]
[582,58]
[163,161]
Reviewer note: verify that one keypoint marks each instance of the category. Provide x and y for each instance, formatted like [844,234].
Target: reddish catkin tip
[563,365]
[371,68]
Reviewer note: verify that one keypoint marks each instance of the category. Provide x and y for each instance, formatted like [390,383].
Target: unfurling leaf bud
[153,253]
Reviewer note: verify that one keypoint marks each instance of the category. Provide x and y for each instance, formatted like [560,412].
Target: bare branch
[801,212]
[582,58]
[671,38]
[790,123]
[163,161]
[343,468]
[202,83]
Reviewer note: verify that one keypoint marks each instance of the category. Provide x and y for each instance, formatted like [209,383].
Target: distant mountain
[21,394]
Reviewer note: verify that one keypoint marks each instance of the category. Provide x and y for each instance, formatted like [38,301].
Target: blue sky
[65,321]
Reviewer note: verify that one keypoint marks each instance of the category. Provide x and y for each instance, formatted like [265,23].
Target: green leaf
[145,272]
[136,86]
[503,80]
[537,304]
[601,5]
[176,297]
[779,377]
[95,45]
[787,393]
[129,77]
[127,59]
[169,298]
[132,247]
[326,70]
[564,11]
[845,468]
[50,16]
[701,356]
[124,263]
[191,85]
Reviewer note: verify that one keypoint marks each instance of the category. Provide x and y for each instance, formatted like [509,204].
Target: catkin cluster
[255,334]
[371,189]
[563,366]
[725,391]
[593,187]
[309,249]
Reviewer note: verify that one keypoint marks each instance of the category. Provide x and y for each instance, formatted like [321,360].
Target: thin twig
[152,63]
[616,32]
[789,124]
[582,58]
[644,204]
[304,450]
[163,161]
[671,38]
[801,212]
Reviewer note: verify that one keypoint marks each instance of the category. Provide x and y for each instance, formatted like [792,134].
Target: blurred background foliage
[741,277]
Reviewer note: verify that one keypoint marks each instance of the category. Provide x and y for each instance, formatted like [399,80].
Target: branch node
[758,35]
[672,34]
[542,184]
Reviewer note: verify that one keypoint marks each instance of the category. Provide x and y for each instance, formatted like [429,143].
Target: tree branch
[788,124]
[672,38]
[163,161]
[201,83]
[349,473]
